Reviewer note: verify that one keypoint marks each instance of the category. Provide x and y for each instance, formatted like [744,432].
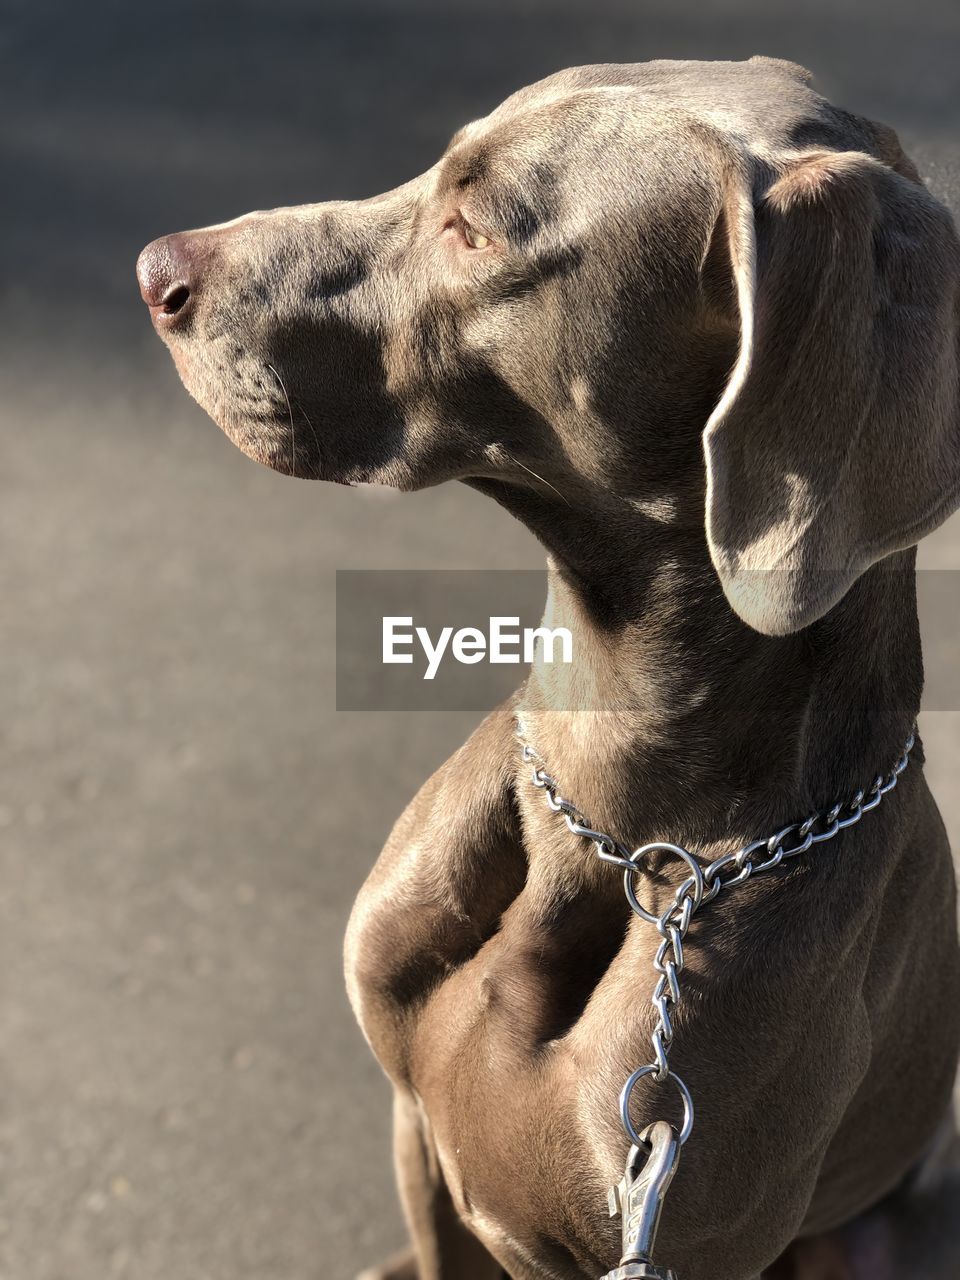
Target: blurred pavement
[184,819]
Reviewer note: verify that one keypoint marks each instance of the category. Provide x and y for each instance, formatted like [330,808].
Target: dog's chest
[432,980]
[429,985]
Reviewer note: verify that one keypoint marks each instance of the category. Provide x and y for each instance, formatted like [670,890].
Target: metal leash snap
[639,1198]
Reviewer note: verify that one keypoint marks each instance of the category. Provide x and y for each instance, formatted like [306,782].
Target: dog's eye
[475,239]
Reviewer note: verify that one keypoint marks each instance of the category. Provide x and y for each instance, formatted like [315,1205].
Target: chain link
[700,887]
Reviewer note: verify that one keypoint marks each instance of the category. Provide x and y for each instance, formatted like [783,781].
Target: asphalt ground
[184,816]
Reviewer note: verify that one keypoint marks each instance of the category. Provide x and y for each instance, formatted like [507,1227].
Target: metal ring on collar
[696,875]
[627,1091]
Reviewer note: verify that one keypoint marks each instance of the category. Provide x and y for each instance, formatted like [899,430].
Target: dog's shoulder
[451,866]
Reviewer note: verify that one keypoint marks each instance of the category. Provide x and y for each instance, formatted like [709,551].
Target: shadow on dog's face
[497,314]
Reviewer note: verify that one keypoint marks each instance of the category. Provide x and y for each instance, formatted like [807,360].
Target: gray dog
[698,329]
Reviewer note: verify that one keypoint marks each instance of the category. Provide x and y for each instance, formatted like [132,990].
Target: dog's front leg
[443,1247]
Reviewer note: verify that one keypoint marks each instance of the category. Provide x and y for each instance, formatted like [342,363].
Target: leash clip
[639,1197]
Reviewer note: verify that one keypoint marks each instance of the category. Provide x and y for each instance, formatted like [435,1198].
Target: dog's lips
[277,450]
[183,362]
[269,453]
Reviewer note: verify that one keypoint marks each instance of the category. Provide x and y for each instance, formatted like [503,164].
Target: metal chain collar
[701,886]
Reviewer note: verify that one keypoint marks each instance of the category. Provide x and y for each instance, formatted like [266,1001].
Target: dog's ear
[837,440]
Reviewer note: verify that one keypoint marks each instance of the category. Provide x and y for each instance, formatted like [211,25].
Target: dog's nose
[168,270]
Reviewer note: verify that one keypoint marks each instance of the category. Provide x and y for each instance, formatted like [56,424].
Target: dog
[698,329]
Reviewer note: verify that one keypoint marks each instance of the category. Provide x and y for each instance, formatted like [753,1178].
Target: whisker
[313,431]
[293,430]
[539,477]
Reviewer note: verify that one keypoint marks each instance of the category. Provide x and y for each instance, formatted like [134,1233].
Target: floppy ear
[837,440]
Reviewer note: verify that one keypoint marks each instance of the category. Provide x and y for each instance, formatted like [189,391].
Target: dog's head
[631,288]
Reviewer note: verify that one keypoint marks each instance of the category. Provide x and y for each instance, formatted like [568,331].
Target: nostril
[175,300]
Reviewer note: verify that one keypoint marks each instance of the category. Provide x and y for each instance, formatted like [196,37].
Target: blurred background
[184,817]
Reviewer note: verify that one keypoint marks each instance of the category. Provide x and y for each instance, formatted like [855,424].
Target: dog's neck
[677,718]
